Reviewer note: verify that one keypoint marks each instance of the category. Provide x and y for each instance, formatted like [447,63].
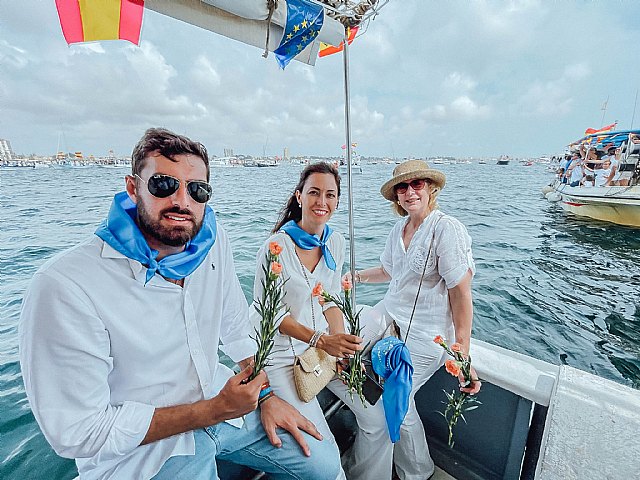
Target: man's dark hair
[167,144]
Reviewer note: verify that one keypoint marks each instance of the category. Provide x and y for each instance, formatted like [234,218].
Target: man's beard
[171,236]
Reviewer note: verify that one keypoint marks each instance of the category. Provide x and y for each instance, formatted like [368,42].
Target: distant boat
[503,160]
[618,204]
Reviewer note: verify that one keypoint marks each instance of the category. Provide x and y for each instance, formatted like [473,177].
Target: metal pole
[633,117]
[347,126]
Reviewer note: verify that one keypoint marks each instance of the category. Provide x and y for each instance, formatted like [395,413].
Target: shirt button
[196,351]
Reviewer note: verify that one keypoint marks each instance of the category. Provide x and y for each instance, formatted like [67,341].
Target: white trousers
[411,453]
[371,455]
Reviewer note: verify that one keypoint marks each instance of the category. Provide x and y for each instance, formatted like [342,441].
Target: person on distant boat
[602,174]
[433,249]
[576,172]
[119,340]
[313,253]
[615,159]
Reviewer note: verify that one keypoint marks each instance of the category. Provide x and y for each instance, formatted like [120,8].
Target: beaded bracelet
[315,337]
[358,279]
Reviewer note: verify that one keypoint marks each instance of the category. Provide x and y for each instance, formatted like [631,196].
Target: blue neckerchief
[121,232]
[391,360]
[306,241]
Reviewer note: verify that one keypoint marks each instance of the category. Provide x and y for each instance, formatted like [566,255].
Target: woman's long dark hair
[292,210]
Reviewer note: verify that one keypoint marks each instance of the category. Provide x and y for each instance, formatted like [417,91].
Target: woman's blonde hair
[434,191]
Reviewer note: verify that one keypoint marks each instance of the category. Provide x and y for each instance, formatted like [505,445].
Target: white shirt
[448,262]
[100,350]
[576,173]
[298,293]
[601,176]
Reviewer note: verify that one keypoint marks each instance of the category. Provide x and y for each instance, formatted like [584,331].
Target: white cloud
[422,73]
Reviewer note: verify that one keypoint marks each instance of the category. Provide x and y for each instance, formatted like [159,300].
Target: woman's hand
[340,345]
[474,386]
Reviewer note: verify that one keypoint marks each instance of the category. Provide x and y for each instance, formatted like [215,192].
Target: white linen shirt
[100,350]
[449,261]
[297,293]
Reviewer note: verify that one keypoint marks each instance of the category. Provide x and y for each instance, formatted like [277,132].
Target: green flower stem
[269,307]
[355,376]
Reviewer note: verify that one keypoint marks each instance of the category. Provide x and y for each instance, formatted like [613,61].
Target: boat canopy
[601,140]
[249,20]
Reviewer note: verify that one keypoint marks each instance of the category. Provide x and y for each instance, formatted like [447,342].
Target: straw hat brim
[436,176]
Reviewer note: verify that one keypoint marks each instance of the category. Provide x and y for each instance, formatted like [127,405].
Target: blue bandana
[121,232]
[306,241]
[391,360]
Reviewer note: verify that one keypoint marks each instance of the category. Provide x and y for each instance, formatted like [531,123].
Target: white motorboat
[618,204]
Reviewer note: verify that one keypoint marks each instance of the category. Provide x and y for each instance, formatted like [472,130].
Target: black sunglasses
[163,186]
[417,184]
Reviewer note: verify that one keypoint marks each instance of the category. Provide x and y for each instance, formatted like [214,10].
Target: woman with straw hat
[428,263]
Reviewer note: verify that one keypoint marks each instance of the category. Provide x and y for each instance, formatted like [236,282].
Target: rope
[271,5]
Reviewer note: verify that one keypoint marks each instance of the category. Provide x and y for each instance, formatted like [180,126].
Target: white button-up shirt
[100,350]
[297,292]
[442,242]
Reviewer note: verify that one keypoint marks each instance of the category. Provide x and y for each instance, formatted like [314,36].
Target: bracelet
[313,341]
[264,392]
[266,397]
[358,278]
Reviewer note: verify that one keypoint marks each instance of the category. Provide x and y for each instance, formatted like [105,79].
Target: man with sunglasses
[120,334]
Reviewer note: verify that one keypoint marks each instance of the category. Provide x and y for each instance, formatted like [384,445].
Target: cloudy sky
[460,77]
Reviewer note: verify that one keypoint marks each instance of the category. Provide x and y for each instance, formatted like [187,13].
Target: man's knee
[324,462]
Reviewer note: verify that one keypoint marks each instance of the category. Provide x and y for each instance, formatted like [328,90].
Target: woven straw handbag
[312,371]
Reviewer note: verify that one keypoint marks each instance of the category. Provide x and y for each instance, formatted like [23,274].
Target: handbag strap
[306,279]
[424,270]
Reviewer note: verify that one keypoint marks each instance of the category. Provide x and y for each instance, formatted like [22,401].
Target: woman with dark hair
[428,263]
[313,253]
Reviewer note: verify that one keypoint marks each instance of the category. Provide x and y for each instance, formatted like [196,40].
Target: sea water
[557,287]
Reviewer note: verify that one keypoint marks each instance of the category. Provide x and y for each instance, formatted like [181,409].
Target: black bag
[372,387]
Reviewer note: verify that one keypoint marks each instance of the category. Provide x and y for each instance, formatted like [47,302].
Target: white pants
[371,455]
[411,453]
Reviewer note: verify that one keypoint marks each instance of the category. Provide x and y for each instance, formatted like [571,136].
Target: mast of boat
[604,110]
[633,117]
[347,126]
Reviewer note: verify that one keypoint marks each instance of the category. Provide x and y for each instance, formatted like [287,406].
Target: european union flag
[304,21]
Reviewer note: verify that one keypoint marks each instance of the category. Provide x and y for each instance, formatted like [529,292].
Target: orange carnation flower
[275,248]
[456,347]
[439,340]
[452,367]
[276,268]
[317,290]
[346,284]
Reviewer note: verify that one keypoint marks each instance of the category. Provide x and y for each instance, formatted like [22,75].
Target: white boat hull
[620,205]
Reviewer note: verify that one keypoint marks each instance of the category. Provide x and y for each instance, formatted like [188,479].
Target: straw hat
[409,170]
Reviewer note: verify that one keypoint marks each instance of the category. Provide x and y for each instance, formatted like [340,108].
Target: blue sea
[557,287]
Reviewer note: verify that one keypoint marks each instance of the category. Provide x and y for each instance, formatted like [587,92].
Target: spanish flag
[608,128]
[326,49]
[91,20]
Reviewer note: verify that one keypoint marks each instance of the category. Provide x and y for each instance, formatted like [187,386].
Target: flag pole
[347,125]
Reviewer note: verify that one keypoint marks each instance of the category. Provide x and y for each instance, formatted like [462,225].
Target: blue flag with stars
[304,21]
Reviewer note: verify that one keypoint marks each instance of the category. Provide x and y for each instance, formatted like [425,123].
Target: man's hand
[276,413]
[239,396]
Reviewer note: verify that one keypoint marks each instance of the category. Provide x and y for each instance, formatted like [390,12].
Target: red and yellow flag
[91,20]
[608,128]
[326,49]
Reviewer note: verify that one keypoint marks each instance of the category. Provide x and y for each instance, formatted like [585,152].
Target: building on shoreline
[6,154]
